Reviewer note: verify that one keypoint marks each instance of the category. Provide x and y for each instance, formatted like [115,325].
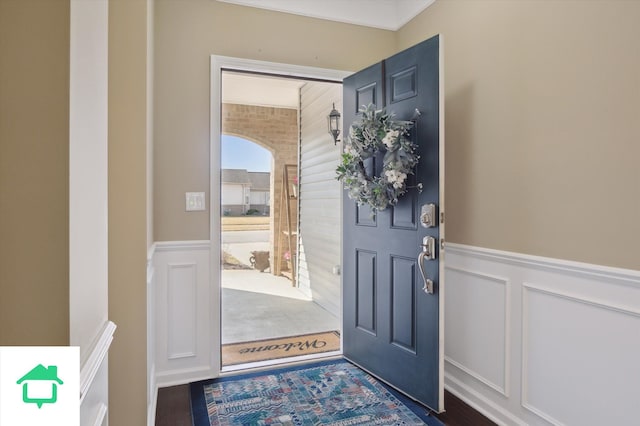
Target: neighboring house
[260,192]
[243,190]
[40,378]
[235,191]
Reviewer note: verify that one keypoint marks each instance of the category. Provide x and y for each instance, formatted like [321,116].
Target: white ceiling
[385,14]
[248,89]
[258,90]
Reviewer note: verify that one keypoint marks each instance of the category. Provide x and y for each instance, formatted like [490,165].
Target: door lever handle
[427,287]
[428,252]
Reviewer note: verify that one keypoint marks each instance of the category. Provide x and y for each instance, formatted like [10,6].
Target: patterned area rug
[330,393]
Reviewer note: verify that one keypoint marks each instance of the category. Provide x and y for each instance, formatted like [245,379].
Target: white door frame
[219,63]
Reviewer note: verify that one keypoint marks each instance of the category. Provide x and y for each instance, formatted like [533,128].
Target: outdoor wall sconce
[333,120]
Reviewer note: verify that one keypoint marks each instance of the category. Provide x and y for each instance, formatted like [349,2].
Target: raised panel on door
[366,291]
[403,303]
[366,88]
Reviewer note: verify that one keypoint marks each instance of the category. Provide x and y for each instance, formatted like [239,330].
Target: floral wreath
[376,131]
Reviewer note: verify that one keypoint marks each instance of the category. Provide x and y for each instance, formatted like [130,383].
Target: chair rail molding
[101,416]
[152,385]
[96,357]
[624,276]
[523,333]
[164,246]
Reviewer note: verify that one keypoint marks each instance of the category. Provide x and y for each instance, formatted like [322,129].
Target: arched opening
[276,130]
[246,200]
[246,172]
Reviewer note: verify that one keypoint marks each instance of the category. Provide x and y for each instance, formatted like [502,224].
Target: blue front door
[393,311]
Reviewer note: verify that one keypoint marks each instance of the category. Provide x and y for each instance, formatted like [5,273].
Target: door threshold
[249,367]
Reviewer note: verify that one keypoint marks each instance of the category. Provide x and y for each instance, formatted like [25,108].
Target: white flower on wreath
[348,149]
[390,138]
[395,178]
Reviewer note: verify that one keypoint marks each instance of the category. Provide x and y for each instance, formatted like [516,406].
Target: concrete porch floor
[258,305]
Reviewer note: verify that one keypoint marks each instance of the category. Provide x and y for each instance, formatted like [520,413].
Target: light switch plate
[195,201]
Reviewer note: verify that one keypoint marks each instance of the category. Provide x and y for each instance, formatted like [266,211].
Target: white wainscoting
[152,385]
[183,311]
[94,379]
[537,341]
[528,340]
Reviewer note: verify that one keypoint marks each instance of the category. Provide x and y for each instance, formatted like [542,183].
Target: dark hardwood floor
[460,414]
[173,409]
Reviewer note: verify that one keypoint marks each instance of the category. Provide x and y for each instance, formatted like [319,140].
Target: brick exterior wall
[275,129]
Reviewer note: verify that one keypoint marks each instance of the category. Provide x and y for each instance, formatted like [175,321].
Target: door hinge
[441,217]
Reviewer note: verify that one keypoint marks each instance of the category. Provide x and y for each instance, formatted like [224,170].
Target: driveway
[240,244]
[231,237]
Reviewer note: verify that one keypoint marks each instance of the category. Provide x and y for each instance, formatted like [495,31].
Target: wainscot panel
[535,341]
[183,310]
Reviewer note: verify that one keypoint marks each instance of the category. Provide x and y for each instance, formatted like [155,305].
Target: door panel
[391,326]
[365,307]
[403,303]
[365,87]
[402,84]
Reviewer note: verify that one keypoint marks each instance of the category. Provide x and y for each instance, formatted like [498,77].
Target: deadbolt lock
[429,215]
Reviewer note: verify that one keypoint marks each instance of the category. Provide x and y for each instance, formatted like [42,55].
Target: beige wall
[542,113]
[127,211]
[150,73]
[34,169]
[542,125]
[186,34]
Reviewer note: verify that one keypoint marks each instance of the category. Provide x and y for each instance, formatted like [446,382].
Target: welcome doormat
[328,393]
[262,350]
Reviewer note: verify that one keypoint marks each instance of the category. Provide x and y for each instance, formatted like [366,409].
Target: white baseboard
[153,403]
[478,402]
[183,376]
